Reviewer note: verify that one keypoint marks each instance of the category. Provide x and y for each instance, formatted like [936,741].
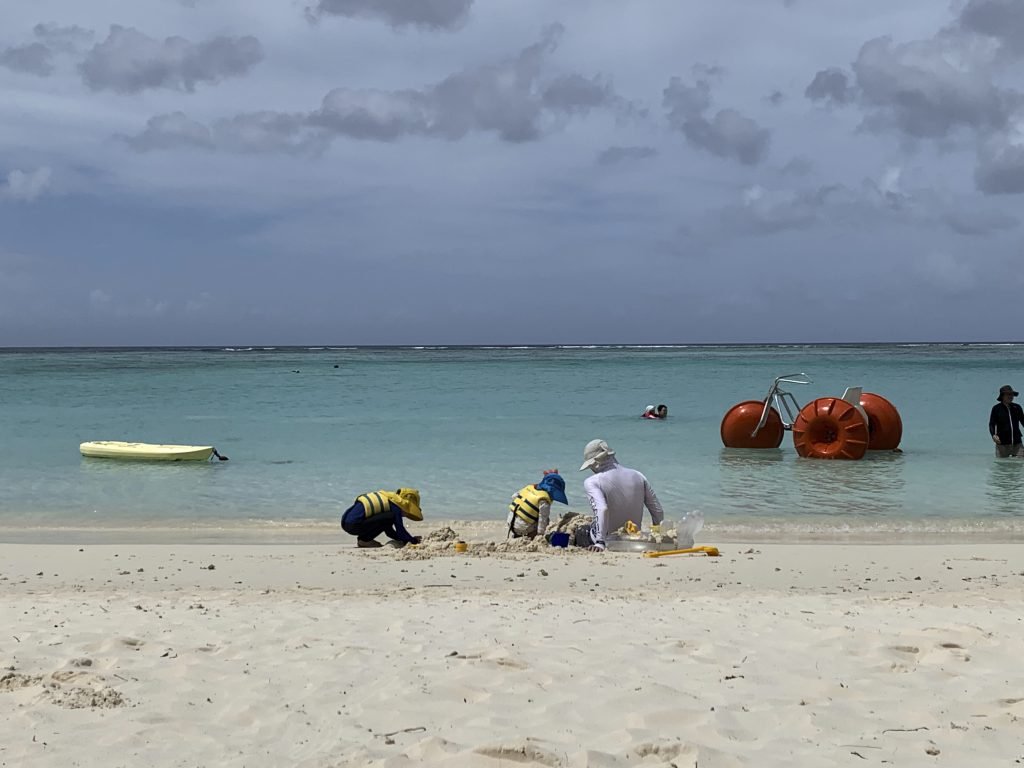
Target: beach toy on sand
[709,551]
[461,546]
[830,428]
[560,539]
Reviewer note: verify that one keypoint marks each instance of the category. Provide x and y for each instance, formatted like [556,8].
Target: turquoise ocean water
[308,429]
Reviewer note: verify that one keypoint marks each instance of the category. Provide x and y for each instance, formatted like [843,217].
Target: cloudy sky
[510,171]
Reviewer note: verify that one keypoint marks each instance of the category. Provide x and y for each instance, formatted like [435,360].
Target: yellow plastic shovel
[709,551]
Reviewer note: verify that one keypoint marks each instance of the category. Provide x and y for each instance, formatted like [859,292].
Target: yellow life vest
[526,504]
[379,503]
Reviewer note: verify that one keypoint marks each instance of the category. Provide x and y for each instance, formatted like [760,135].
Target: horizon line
[264,347]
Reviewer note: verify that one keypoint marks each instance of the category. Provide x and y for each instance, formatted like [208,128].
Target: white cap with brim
[594,453]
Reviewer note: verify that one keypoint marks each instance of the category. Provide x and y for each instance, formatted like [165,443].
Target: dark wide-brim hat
[1006,389]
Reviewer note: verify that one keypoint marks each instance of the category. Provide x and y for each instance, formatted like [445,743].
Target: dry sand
[324,655]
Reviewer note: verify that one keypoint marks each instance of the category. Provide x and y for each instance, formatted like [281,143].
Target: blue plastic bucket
[560,539]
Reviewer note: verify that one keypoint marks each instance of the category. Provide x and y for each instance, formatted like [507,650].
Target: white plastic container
[688,528]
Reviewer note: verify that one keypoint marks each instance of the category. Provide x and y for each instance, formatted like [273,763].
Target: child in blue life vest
[530,510]
[381,512]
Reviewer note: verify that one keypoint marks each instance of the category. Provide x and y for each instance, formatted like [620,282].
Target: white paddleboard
[116,449]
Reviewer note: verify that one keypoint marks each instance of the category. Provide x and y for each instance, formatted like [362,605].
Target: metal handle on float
[782,400]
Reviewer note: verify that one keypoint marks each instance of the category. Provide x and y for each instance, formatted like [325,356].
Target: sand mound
[85,698]
[509,548]
[569,523]
[441,535]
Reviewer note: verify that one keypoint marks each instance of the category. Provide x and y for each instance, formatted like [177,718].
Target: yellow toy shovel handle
[709,551]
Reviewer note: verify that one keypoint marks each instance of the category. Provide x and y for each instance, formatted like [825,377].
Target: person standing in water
[1004,424]
[530,510]
[617,495]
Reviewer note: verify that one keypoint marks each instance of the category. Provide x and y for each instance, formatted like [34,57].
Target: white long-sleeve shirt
[619,494]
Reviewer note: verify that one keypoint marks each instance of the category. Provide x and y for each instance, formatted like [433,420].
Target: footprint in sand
[905,664]
[666,751]
[956,650]
[67,675]
[512,663]
[913,649]
[521,753]
[12,681]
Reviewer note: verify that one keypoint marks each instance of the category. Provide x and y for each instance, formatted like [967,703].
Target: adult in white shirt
[617,495]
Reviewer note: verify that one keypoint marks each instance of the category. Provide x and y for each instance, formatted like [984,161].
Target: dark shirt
[1006,421]
[393,528]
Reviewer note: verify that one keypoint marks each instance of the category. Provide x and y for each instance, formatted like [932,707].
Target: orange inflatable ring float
[740,420]
[885,427]
[830,428]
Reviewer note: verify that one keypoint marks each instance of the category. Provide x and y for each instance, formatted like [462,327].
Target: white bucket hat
[594,453]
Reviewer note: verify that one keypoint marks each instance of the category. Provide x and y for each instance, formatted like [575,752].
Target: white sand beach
[324,655]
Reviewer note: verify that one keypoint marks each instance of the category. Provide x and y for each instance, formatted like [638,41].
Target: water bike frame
[784,402]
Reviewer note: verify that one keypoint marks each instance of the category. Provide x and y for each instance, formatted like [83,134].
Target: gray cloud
[25,187]
[510,98]
[830,85]
[248,132]
[70,39]
[221,176]
[1000,169]
[434,14]
[1000,19]
[889,191]
[727,134]
[978,222]
[797,166]
[268,131]
[918,90]
[576,93]
[765,212]
[129,61]
[171,131]
[616,155]
[776,98]
[32,59]
[686,101]
[943,89]
[876,201]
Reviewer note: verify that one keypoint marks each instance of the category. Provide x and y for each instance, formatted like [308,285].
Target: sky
[203,172]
